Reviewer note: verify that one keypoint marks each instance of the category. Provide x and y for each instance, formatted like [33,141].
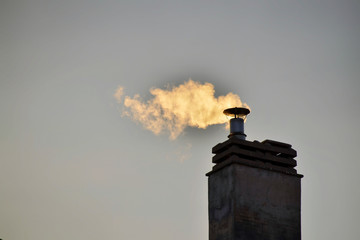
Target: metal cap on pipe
[237,122]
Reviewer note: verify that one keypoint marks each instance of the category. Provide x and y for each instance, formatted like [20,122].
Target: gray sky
[72,168]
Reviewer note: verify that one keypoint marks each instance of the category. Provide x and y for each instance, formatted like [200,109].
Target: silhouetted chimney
[254,190]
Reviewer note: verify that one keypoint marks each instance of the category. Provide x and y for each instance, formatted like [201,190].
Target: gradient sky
[71,167]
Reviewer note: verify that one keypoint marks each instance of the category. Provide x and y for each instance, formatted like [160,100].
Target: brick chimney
[254,191]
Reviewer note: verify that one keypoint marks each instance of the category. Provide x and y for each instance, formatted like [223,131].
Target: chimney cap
[237,112]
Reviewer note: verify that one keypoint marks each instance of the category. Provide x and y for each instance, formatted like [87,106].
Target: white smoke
[190,104]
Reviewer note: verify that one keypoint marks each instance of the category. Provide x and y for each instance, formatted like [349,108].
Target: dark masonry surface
[254,191]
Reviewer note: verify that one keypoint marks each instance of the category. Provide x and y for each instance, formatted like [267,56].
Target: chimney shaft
[254,190]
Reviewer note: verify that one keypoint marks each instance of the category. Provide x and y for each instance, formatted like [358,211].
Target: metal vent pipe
[238,116]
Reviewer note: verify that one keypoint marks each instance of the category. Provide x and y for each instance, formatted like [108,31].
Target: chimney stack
[254,189]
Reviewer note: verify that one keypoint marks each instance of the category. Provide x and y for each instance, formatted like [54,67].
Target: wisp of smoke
[190,104]
[118,93]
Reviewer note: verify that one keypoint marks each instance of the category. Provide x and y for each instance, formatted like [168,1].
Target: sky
[72,166]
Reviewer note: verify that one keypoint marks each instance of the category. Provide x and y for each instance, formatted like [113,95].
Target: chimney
[254,190]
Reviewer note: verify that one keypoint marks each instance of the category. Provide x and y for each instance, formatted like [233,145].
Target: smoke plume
[190,104]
